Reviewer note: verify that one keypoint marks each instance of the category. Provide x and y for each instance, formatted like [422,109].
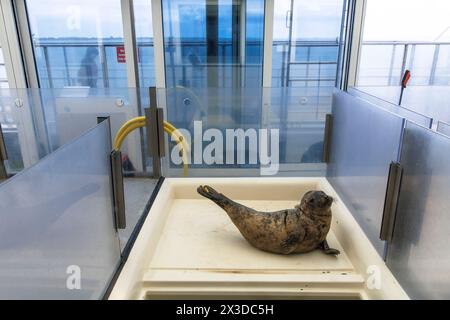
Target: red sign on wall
[120,52]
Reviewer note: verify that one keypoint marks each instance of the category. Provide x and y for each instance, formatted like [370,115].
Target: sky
[407,20]
[401,20]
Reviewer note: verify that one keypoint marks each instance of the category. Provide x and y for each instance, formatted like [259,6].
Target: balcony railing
[383,63]
[303,64]
[313,63]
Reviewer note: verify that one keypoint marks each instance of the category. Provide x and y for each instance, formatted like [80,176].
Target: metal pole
[49,70]
[434,65]
[391,66]
[288,62]
[104,64]
[66,67]
[405,56]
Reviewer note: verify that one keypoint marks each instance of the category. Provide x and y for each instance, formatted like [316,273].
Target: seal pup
[299,230]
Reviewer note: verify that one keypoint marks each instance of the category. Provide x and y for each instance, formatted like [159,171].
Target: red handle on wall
[406,78]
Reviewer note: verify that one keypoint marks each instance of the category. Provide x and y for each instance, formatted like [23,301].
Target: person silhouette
[88,72]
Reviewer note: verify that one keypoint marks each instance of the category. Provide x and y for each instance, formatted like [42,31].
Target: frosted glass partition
[293,117]
[393,107]
[419,254]
[39,121]
[17,118]
[387,93]
[432,101]
[365,140]
[443,128]
[57,232]
[71,111]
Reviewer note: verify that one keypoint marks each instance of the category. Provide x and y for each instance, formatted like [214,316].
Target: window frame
[24,64]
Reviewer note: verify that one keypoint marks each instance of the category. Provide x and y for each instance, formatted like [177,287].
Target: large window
[306,42]
[78,43]
[213,43]
[405,35]
[207,43]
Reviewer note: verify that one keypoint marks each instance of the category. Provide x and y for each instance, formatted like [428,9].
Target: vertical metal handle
[327,138]
[3,154]
[160,124]
[118,190]
[391,201]
[155,132]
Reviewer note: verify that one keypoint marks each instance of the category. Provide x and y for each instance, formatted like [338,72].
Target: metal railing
[427,61]
[311,63]
[58,68]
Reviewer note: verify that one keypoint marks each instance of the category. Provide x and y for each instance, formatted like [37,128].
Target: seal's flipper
[324,246]
[210,193]
[289,245]
[215,196]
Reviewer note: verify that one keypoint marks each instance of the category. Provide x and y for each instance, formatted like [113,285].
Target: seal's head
[316,202]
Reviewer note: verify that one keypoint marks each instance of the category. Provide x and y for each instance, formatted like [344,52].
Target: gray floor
[137,194]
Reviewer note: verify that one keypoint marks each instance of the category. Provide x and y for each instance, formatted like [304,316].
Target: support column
[131,49]
[212,42]
[158,44]
[353,38]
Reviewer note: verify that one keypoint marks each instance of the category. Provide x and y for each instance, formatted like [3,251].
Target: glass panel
[366,139]
[69,112]
[443,128]
[403,112]
[380,65]
[226,128]
[57,224]
[430,100]
[421,64]
[390,94]
[144,40]
[213,43]
[9,125]
[78,43]
[47,119]
[418,255]
[37,122]
[409,37]
[442,74]
[18,120]
[306,43]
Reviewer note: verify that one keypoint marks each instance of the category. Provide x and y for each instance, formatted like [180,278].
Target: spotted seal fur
[299,230]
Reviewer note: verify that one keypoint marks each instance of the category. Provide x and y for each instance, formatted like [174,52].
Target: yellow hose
[139,122]
[126,124]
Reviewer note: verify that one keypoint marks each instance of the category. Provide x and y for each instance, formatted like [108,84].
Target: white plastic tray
[189,248]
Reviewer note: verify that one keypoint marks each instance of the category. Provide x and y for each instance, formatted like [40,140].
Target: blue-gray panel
[419,255]
[56,222]
[365,140]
